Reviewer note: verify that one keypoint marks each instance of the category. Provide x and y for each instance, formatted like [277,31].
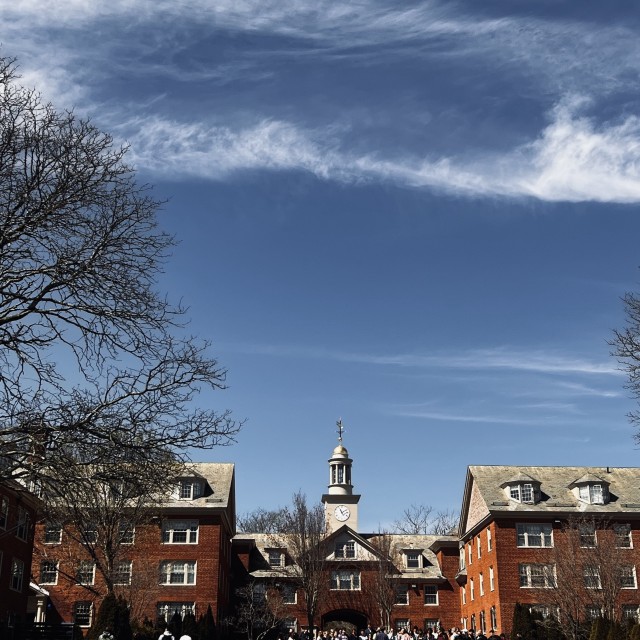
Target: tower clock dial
[341,513]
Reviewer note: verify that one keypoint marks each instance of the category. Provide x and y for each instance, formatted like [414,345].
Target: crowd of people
[381,633]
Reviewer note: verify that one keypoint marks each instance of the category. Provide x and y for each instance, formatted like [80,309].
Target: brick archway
[349,619]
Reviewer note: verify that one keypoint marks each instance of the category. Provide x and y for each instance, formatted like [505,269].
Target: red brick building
[179,561]
[18,508]
[420,568]
[534,535]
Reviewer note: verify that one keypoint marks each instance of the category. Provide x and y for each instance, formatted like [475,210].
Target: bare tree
[420,519]
[100,516]
[304,528]
[587,572]
[94,361]
[626,348]
[259,610]
[384,582]
[262,521]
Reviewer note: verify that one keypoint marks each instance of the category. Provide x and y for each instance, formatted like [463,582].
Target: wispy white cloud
[574,159]
[500,358]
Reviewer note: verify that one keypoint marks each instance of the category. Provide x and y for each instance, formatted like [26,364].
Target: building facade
[18,512]
[178,560]
[367,579]
[563,540]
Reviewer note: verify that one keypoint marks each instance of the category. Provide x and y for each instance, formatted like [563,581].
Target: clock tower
[340,503]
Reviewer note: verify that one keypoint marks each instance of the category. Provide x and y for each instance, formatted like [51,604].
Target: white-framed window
[289,593]
[464,595]
[431,623]
[290,624]
[83,613]
[461,563]
[127,532]
[478,540]
[52,533]
[489,541]
[523,492]
[178,572]
[122,572]
[587,531]
[22,528]
[483,622]
[431,594]
[623,536]
[402,623]
[48,572]
[413,559]
[17,575]
[402,594]
[492,584]
[592,611]
[167,610]
[628,577]
[591,575]
[470,549]
[630,612]
[594,493]
[481,584]
[545,611]
[537,576]
[276,557]
[180,532]
[345,549]
[86,573]
[493,618]
[190,489]
[472,590]
[4,512]
[473,621]
[534,535]
[345,580]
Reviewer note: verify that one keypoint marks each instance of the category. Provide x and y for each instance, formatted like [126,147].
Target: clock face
[342,513]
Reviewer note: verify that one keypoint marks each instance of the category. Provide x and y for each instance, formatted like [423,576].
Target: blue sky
[418,216]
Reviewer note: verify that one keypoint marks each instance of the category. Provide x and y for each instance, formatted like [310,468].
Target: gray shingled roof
[219,478]
[555,486]
[399,542]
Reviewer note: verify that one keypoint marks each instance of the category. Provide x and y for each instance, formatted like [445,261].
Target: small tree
[384,584]
[207,626]
[259,610]
[113,616]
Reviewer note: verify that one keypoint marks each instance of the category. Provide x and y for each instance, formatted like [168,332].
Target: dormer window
[413,559]
[592,493]
[276,558]
[523,492]
[591,489]
[190,489]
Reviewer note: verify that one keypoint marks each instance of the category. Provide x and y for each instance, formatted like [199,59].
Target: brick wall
[146,554]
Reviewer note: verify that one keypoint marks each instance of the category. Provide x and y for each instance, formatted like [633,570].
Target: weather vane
[340,429]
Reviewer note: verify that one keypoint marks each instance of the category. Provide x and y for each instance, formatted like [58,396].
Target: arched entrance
[348,619]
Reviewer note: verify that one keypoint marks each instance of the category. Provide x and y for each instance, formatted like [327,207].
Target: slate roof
[219,480]
[555,487]
[399,542]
